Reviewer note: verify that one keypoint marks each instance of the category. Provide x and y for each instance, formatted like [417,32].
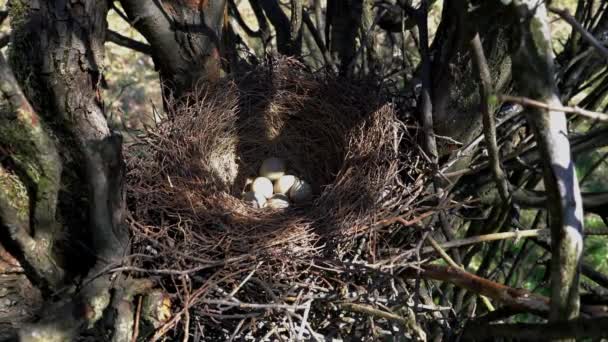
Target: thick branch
[516,298]
[534,75]
[184,37]
[35,155]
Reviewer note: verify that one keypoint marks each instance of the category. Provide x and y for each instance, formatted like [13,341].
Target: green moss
[15,192]
[539,34]
[16,137]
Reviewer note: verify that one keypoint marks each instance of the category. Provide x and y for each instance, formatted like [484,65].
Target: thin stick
[137,318]
[488,237]
[365,309]
[254,305]
[304,321]
[245,280]
[443,254]
[524,101]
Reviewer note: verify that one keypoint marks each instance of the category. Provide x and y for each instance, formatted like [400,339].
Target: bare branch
[127,42]
[489,125]
[430,145]
[516,298]
[542,105]
[488,237]
[533,73]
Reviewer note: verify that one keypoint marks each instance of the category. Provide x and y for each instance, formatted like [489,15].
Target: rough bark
[185,37]
[28,202]
[58,55]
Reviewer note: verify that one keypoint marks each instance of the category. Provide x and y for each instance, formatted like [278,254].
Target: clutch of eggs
[263,193]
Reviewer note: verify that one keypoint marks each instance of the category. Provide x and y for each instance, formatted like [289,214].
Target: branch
[430,145]
[590,328]
[36,158]
[489,125]
[542,105]
[279,21]
[565,14]
[127,42]
[295,27]
[488,237]
[534,74]
[516,298]
[319,41]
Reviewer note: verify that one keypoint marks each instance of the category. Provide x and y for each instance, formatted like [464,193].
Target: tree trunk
[185,37]
[58,55]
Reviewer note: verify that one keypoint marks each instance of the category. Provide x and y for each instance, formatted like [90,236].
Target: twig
[524,101]
[443,254]
[254,305]
[137,318]
[236,330]
[368,310]
[304,320]
[236,289]
[400,219]
[488,237]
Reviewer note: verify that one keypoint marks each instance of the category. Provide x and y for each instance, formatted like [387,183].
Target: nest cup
[186,180]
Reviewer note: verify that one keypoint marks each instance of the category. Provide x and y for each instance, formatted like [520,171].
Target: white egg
[262,186]
[300,192]
[278,201]
[283,184]
[255,199]
[272,168]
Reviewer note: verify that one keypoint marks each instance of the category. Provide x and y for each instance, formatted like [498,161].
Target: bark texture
[58,55]
[185,37]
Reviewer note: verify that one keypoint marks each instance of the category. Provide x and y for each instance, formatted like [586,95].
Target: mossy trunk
[60,156]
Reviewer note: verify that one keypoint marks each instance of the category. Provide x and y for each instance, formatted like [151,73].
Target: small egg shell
[272,168]
[255,199]
[262,186]
[278,201]
[283,184]
[300,192]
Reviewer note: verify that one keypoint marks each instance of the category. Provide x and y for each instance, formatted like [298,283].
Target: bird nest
[245,272]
